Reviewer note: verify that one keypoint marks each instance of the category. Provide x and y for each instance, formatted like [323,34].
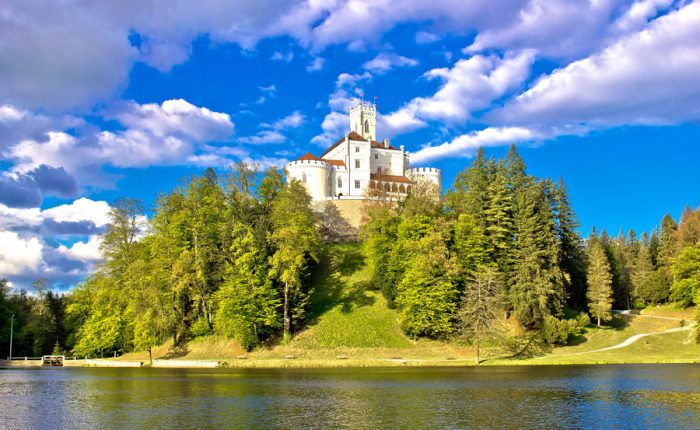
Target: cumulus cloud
[19,191]
[272,133]
[470,85]
[315,65]
[467,144]
[385,61]
[84,251]
[650,77]
[18,254]
[154,134]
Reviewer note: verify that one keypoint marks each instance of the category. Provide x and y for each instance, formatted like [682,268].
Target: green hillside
[344,311]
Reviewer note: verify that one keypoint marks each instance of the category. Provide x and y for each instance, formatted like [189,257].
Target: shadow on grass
[331,286]
[176,351]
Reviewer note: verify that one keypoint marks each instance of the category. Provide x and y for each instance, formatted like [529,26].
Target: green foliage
[481,305]
[685,289]
[426,295]
[599,283]
[538,285]
[200,327]
[557,331]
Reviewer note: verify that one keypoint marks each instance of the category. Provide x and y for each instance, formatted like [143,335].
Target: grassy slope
[349,319]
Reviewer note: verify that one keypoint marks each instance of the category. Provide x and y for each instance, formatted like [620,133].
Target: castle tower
[363,120]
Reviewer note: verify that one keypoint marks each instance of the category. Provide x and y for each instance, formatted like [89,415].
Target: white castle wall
[429,174]
[314,174]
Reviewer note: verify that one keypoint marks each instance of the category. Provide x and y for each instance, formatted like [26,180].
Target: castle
[357,163]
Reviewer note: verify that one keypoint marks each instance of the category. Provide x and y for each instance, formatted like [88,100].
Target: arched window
[303,177]
[340,182]
[366,126]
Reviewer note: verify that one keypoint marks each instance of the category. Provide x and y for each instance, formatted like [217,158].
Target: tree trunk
[287,321]
[150,355]
[478,349]
[598,321]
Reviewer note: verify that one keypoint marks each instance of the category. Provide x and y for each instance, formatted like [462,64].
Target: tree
[427,293]
[537,288]
[572,256]
[294,239]
[247,301]
[470,190]
[471,245]
[599,283]
[649,286]
[686,276]
[480,305]
[499,221]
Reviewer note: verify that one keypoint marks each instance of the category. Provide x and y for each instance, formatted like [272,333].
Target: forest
[233,256]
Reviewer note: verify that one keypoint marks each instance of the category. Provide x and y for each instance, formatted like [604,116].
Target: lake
[611,396]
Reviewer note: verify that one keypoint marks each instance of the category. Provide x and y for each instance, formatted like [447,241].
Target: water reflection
[631,396]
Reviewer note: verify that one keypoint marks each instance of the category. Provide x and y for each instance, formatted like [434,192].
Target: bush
[557,331]
[200,327]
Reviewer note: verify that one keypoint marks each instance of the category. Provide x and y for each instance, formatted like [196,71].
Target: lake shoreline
[332,364]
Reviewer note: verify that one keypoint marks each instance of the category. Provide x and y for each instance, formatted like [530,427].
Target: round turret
[314,174]
[429,174]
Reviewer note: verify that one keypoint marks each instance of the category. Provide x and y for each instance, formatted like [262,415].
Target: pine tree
[470,190]
[471,246]
[599,283]
[572,257]
[538,288]
[685,289]
[480,305]
[499,222]
[667,244]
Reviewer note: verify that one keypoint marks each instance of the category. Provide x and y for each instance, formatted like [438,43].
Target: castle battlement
[425,170]
[308,164]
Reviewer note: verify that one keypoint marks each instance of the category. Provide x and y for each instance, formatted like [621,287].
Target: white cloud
[385,61]
[335,124]
[293,120]
[315,65]
[424,38]
[467,144]
[279,56]
[17,254]
[82,209]
[165,134]
[472,84]
[83,251]
[264,137]
[650,77]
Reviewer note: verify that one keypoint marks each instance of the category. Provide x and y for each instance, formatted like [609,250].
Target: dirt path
[630,340]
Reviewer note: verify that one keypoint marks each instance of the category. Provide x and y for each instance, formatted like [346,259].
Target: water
[547,397]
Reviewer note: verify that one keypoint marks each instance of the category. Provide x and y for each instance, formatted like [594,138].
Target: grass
[350,325]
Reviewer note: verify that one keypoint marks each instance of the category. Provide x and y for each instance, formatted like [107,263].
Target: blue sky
[123,98]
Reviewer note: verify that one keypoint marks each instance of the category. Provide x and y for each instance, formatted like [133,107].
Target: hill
[350,324]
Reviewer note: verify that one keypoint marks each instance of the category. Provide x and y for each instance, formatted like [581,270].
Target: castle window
[366,126]
[357,149]
[340,183]
[303,177]
[357,184]
[357,164]
[376,156]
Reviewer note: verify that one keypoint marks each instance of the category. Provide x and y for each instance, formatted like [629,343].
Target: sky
[123,98]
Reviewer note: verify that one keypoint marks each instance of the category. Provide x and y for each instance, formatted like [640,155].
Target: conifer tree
[471,246]
[572,257]
[599,283]
[685,289]
[499,221]
[480,305]
[470,190]
[537,289]
[667,243]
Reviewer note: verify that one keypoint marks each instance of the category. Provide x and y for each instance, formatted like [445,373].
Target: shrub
[200,327]
[557,331]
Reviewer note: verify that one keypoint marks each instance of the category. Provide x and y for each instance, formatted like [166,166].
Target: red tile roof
[389,178]
[380,145]
[310,156]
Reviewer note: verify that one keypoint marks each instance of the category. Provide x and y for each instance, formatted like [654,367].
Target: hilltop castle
[358,162]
